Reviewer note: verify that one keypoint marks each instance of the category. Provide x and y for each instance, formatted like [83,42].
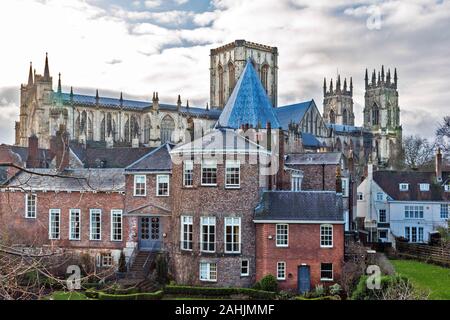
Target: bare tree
[443,134]
[417,151]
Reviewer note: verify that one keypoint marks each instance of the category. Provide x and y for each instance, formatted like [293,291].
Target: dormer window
[404,187]
[447,187]
[424,186]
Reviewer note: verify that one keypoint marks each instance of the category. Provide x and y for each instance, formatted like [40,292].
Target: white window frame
[188,221]
[188,169]
[380,196]
[345,187]
[71,224]
[232,224]
[27,215]
[207,222]
[245,274]
[385,215]
[281,269]
[102,260]
[158,177]
[403,186]
[332,272]
[360,196]
[91,212]
[296,182]
[209,164]
[119,213]
[51,214]
[414,212]
[424,187]
[208,271]
[278,236]
[443,213]
[135,183]
[322,235]
[232,164]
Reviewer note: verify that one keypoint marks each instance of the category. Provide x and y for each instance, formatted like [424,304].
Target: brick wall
[304,248]
[220,202]
[21,230]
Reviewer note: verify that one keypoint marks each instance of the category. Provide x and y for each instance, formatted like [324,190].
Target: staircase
[141,265]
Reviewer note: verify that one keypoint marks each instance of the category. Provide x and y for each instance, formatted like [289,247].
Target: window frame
[190,222]
[322,270]
[33,195]
[443,214]
[403,186]
[281,263]
[360,196]
[51,213]
[191,173]
[112,233]
[424,187]
[208,271]
[204,166]
[232,234]
[232,164]
[345,187]
[380,196]
[158,183]
[71,227]
[136,176]
[322,235]
[278,235]
[91,212]
[208,224]
[245,274]
[379,215]
[296,182]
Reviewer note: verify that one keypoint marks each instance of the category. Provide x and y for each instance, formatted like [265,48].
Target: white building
[409,204]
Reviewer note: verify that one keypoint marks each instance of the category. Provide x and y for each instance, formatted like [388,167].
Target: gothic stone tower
[338,103]
[382,116]
[228,62]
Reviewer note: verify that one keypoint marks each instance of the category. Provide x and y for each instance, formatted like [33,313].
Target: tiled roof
[44,155]
[79,99]
[389,181]
[309,140]
[100,180]
[345,128]
[220,141]
[156,160]
[300,206]
[248,104]
[292,113]
[119,157]
[314,158]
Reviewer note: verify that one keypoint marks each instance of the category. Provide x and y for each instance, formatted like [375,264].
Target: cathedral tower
[228,62]
[338,103]
[382,115]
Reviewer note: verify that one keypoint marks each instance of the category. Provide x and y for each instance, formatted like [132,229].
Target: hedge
[319,298]
[214,292]
[134,296]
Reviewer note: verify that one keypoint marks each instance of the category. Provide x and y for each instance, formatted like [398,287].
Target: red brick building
[300,238]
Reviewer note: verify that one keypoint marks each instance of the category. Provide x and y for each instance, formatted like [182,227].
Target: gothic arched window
[231,76]
[90,126]
[375,115]
[147,129]
[345,117]
[83,122]
[167,128]
[103,129]
[221,97]
[131,129]
[332,117]
[265,77]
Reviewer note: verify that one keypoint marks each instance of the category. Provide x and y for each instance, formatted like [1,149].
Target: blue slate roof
[292,112]
[309,140]
[248,104]
[133,104]
[344,128]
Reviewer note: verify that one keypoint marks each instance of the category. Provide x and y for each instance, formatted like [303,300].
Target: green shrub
[91,293]
[122,263]
[319,290]
[217,292]
[269,283]
[335,289]
[162,269]
[362,292]
[134,296]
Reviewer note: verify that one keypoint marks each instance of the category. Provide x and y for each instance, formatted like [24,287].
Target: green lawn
[428,277]
[60,295]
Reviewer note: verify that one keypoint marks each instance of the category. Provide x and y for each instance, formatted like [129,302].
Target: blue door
[150,234]
[304,279]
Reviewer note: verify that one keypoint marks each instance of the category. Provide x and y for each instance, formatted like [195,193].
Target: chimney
[33,152]
[338,180]
[61,146]
[280,159]
[439,165]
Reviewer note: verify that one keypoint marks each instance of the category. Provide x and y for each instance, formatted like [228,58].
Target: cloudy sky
[163,45]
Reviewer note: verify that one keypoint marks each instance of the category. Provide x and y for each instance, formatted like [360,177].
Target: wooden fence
[435,254]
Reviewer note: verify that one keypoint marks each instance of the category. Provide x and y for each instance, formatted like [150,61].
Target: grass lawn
[60,295]
[428,277]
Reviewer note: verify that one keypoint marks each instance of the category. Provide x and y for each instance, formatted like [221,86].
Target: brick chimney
[33,152]
[439,165]
[280,171]
[338,180]
[61,146]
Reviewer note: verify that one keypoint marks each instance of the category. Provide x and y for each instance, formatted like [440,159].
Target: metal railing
[132,257]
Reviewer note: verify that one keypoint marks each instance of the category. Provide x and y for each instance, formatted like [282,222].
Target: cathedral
[119,122]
